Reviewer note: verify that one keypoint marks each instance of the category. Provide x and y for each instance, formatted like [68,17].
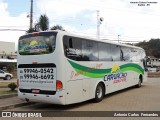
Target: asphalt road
[12,80]
[146,98]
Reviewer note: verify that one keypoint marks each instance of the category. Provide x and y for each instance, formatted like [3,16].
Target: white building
[7,53]
[153,64]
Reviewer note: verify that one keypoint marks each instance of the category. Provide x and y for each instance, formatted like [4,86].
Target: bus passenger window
[70,43]
[115,51]
[72,48]
[104,52]
[89,51]
[126,53]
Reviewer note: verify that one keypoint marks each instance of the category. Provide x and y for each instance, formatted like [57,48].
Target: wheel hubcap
[99,92]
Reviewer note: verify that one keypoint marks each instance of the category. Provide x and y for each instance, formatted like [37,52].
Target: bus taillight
[34,63]
[59,85]
[35,33]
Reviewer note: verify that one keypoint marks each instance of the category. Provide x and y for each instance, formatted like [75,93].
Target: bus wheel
[99,93]
[139,83]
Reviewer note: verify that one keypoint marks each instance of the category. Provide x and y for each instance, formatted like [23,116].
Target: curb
[8,95]
[15,105]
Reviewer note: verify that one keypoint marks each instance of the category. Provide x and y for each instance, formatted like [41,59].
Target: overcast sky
[121,17]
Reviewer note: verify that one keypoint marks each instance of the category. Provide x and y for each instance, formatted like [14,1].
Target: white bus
[62,68]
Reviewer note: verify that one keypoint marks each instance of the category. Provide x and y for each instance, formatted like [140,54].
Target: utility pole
[99,22]
[118,38]
[98,25]
[31,14]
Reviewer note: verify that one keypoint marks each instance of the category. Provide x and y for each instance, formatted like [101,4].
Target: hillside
[151,47]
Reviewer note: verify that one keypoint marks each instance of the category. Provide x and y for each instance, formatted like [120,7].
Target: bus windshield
[43,43]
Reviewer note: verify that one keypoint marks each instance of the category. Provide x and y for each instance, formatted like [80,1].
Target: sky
[123,18]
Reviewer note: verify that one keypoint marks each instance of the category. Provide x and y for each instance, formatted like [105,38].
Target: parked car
[5,75]
[158,69]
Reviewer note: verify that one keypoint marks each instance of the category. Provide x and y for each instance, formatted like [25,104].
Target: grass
[5,83]
[8,92]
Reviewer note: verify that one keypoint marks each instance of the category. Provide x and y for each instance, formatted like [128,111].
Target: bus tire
[139,83]
[99,93]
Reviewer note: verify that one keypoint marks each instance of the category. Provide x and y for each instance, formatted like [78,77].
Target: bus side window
[70,43]
[89,50]
[126,53]
[115,51]
[105,52]
[72,47]
[122,56]
[65,46]
[133,55]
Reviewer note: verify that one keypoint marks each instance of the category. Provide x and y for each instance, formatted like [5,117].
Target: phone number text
[41,70]
[35,76]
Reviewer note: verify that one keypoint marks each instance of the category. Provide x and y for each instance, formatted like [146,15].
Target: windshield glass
[42,43]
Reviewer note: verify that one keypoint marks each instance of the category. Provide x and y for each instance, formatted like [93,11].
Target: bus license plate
[35,91]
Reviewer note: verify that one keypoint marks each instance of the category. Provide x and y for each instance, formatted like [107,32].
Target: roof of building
[8,60]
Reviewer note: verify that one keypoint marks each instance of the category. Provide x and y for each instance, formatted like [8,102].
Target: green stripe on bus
[99,73]
[133,66]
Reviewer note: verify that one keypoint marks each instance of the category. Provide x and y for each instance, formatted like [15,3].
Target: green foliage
[43,22]
[10,67]
[12,86]
[57,27]
[8,92]
[30,30]
[151,47]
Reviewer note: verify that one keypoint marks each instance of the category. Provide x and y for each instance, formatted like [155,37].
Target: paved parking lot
[12,80]
[145,98]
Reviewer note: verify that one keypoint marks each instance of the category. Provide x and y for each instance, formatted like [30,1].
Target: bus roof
[94,39]
[87,37]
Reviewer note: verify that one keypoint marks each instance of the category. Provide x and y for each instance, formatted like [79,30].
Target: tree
[57,27]
[10,67]
[151,47]
[43,22]
[30,30]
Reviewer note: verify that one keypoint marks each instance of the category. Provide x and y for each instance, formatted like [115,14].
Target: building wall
[7,48]
[7,56]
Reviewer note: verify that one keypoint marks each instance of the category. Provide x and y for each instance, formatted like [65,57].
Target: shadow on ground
[54,107]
